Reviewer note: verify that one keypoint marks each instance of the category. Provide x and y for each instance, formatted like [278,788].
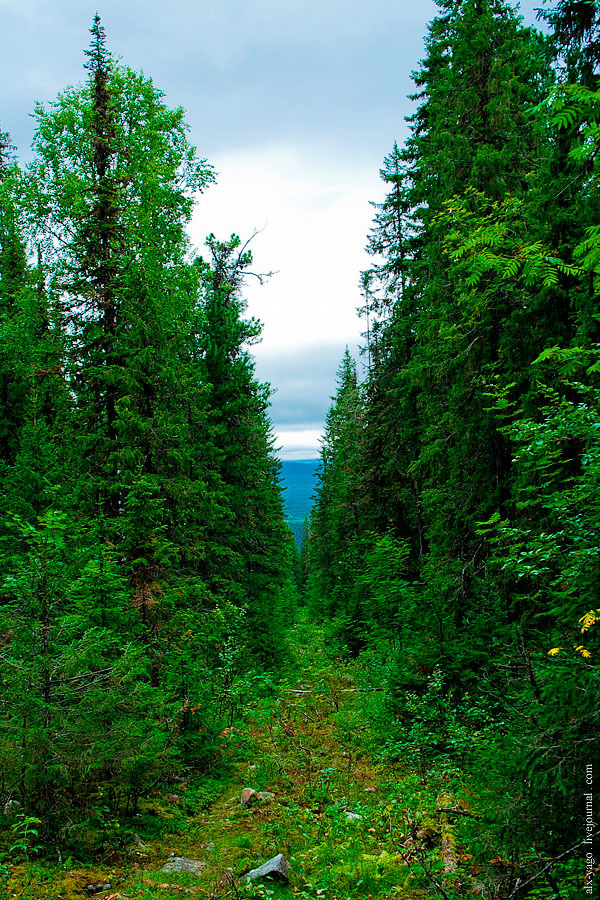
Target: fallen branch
[342,691]
[457,812]
[360,690]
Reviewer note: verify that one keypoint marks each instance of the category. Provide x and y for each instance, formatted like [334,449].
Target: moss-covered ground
[346,822]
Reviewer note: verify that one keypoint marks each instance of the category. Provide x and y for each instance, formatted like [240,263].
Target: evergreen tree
[333,548]
[473,473]
[432,463]
[149,552]
[253,540]
[576,34]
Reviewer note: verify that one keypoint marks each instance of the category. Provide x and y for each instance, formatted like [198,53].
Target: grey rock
[249,797]
[277,869]
[97,888]
[353,817]
[183,864]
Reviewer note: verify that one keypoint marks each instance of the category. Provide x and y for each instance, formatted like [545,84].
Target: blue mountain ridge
[299,484]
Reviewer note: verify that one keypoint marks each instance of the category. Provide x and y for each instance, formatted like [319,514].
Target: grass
[306,744]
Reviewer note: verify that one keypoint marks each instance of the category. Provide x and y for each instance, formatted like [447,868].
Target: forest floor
[349,824]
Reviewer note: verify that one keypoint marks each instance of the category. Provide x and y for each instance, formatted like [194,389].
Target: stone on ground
[183,864]
[277,869]
[249,797]
[97,888]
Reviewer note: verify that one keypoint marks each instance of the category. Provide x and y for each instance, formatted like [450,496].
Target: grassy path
[342,820]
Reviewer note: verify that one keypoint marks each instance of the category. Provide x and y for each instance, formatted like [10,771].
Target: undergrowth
[356,818]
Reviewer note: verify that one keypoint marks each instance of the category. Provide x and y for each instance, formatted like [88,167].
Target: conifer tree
[436,464]
[253,541]
[121,614]
[334,539]
[477,454]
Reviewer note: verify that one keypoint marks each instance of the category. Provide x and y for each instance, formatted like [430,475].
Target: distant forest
[298,480]
[148,578]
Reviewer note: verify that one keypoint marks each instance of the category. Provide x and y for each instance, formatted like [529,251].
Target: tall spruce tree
[253,541]
[122,618]
[438,350]
[477,454]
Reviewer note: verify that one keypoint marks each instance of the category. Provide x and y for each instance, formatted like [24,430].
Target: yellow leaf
[589,619]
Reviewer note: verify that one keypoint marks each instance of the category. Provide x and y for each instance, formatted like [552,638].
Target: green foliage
[25,832]
[145,561]
[454,537]
[452,550]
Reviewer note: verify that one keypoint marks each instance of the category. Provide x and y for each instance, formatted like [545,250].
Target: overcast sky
[295,102]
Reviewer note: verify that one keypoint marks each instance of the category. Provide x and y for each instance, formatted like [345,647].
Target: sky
[295,103]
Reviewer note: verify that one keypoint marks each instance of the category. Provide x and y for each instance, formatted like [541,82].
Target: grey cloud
[246,71]
[306,381]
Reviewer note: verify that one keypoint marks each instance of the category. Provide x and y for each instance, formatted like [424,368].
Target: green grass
[310,749]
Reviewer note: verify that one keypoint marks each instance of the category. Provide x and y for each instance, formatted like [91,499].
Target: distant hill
[298,479]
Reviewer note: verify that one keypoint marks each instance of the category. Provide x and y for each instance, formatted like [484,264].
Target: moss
[46,882]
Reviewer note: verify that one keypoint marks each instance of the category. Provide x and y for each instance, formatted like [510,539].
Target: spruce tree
[477,453]
[252,543]
[147,559]
[93,576]
[436,463]
[334,539]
